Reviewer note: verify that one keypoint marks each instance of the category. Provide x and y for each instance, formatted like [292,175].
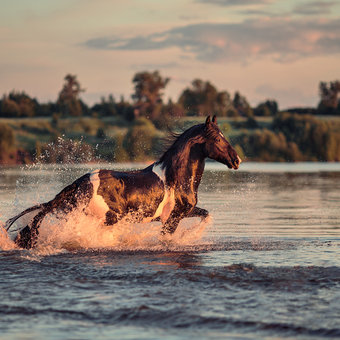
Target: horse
[165,191]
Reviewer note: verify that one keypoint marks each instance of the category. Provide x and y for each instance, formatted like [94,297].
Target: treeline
[132,130]
[199,99]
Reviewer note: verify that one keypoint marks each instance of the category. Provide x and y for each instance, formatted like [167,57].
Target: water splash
[81,231]
[5,242]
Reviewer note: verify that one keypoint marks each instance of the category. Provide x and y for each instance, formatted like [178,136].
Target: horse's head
[217,147]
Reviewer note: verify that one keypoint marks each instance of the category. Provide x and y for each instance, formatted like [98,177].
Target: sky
[265,49]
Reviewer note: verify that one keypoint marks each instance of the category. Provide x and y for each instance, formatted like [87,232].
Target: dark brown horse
[166,190]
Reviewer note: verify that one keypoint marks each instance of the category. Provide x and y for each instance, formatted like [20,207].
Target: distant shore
[285,137]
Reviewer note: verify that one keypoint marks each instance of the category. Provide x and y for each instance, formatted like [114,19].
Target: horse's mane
[169,139]
[174,140]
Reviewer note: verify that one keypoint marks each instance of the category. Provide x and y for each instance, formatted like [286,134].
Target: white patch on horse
[168,203]
[159,171]
[97,205]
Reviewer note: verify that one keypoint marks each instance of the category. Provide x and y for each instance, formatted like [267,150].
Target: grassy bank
[285,137]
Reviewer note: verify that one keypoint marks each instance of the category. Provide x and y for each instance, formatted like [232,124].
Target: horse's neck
[194,175]
[184,169]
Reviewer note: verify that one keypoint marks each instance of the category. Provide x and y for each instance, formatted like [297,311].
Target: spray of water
[80,231]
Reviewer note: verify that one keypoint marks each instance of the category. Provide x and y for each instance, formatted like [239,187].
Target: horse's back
[130,191]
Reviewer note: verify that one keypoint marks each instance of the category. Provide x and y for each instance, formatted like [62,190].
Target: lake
[266,266]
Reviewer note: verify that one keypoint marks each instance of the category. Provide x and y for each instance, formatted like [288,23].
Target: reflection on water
[267,267]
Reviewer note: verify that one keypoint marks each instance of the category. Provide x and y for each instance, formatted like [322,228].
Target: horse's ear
[207,121]
[214,119]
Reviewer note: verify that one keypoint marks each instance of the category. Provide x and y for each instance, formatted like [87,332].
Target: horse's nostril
[239,160]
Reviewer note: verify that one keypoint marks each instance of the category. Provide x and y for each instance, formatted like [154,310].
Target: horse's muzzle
[236,163]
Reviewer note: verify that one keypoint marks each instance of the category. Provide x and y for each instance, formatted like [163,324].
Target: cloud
[314,8]
[155,66]
[231,3]
[282,39]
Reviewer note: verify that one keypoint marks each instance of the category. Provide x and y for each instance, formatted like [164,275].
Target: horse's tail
[23,228]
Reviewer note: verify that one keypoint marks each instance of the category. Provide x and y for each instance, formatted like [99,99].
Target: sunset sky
[277,49]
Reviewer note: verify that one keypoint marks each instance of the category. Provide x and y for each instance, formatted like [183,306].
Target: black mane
[175,158]
[178,140]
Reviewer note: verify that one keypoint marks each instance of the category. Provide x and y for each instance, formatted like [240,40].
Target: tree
[267,108]
[148,94]
[9,108]
[202,98]
[106,107]
[169,115]
[68,99]
[224,104]
[18,104]
[242,106]
[329,102]
[125,109]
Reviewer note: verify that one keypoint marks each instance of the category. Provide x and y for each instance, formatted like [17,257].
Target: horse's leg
[171,224]
[198,212]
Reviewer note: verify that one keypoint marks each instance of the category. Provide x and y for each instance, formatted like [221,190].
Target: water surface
[266,267]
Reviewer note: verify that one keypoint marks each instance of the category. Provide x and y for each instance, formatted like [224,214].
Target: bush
[265,145]
[315,138]
[225,128]
[7,140]
[119,152]
[139,140]
[6,137]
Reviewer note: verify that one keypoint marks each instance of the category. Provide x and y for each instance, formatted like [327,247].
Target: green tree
[18,104]
[242,106]
[68,99]
[329,98]
[125,109]
[267,108]
[107,107]
[148,94]
[202,98]
[224,105]
[9,108]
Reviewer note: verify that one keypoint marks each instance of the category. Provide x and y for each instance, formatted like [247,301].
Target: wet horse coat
[166,190]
